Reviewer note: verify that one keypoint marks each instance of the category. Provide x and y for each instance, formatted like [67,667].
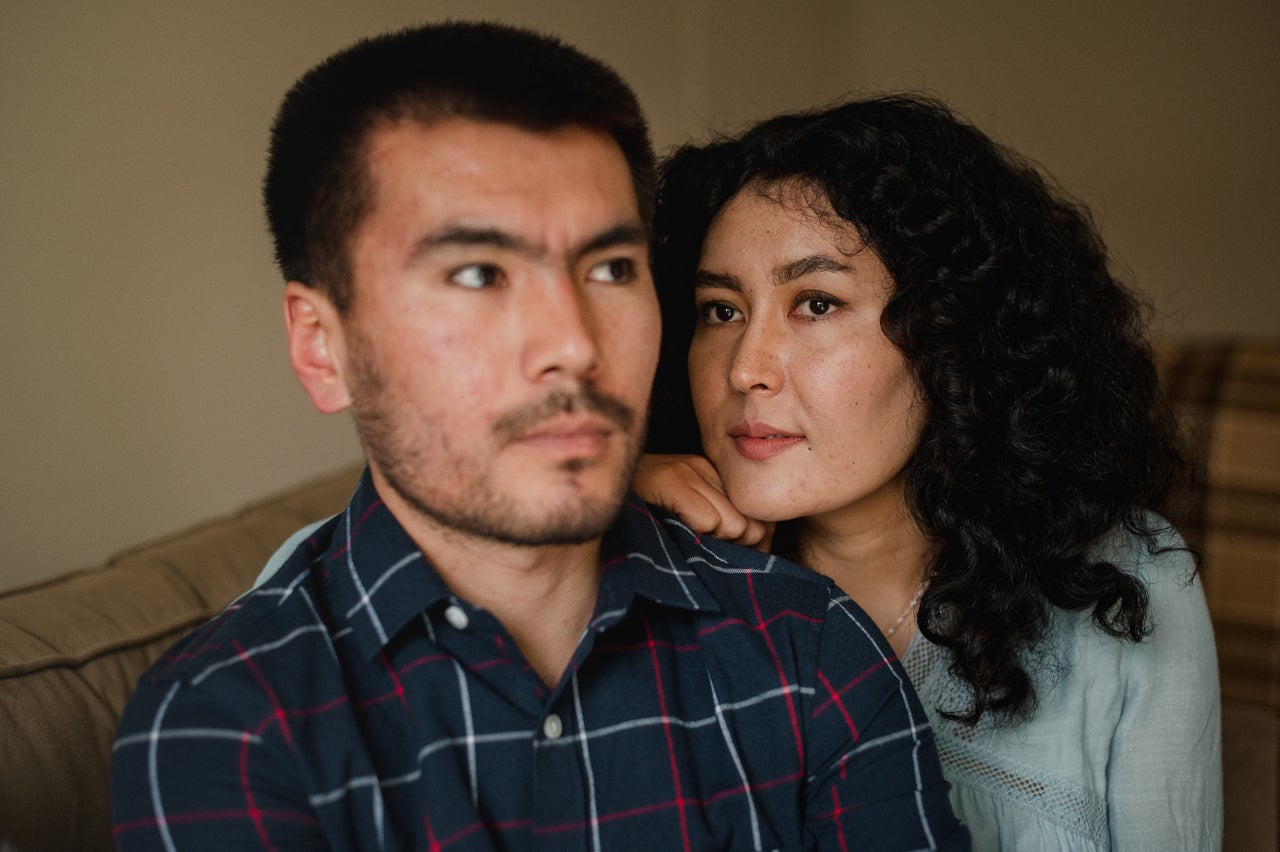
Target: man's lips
[760,441]
[569,436]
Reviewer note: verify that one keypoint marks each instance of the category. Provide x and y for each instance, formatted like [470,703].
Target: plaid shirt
[719,699]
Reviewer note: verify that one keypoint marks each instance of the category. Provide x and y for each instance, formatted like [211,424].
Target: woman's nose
[757,362]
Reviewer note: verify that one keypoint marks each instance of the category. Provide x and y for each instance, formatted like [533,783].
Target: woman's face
[805,407]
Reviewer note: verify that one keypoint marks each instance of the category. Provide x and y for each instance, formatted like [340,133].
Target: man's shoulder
[701,548]
[284,608]
[738,576]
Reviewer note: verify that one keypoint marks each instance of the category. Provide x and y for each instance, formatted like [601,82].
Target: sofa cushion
[1228,398]
[1227,395]
[72,649]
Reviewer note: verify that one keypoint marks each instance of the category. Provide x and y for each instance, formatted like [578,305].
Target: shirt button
[456,617]
[552,727]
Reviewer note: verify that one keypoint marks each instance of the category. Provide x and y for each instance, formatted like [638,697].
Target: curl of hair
[1045,423]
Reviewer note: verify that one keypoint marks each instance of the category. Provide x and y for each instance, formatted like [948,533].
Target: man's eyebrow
[629,234]
[464,235]
[806,265]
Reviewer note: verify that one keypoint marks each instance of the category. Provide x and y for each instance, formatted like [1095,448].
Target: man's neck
[543,595]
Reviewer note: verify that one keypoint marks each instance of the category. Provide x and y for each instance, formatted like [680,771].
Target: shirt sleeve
[188,774]
[1165,784]
[873,780]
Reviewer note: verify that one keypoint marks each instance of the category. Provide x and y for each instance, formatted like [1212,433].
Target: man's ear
[316,346]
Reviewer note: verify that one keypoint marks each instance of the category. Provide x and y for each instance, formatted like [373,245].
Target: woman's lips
[760,441]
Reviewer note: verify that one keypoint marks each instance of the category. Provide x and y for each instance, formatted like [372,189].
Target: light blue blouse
[1124,750]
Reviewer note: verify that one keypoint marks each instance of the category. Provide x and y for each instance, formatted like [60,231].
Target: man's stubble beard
[478,507]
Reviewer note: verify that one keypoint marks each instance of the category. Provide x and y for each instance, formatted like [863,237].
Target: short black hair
[316,188]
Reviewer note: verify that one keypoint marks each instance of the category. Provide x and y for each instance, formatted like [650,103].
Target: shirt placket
[557,787]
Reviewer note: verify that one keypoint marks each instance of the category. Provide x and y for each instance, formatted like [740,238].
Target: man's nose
[561,338]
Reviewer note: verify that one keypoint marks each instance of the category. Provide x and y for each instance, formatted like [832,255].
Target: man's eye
[717,313]
[617,271]
[475,276]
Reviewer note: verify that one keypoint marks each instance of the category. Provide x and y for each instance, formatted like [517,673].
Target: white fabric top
[1124,750]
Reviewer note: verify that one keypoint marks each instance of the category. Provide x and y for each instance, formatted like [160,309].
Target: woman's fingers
[690,487]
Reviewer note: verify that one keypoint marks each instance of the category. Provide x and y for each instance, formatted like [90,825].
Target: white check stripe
[359,782]
[605,616]
[581,739]
[153,770]
[328,797]
[315,616]
[720,564]
[688,724]
[387,575]
[379,818]
[737,764]
[186,734]
[592,806]
[670,563]
[663,567]
[464,696]
[869,745]
[725,569]
[364,603]
[255,651]
[914,728]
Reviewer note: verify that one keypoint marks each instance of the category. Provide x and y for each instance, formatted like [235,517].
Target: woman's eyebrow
[720,280]
[789,271]
[806,265]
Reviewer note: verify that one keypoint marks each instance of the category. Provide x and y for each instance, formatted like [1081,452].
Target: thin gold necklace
[911,604]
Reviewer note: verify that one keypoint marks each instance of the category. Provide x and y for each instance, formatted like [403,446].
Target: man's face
[502,340]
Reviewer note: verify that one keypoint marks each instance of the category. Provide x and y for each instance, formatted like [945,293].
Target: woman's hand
[691,487]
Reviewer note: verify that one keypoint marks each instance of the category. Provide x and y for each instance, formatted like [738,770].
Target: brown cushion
[1228,397]
[72,649]
[1251,784]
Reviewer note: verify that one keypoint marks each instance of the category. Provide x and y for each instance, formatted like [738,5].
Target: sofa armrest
[72,649]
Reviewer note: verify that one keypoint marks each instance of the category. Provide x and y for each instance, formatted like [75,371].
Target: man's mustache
[515,425]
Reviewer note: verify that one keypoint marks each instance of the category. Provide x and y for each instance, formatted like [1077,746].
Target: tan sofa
[72,648]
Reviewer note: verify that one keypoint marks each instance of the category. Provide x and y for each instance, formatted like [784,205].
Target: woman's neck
[877,553]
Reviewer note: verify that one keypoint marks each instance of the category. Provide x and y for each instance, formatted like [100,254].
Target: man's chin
[566,525]
[559,515]
[539,514]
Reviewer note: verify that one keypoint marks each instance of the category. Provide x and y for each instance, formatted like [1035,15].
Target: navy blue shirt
[719,699]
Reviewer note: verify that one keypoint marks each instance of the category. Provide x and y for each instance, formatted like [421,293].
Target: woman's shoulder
[1156,554]
[1180,631]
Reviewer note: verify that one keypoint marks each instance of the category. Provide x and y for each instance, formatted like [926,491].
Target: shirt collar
[379,580]
[641,558]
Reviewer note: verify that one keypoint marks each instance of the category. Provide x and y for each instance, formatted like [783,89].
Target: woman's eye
[816,306]
[476,276]
[616,271]
[718,313]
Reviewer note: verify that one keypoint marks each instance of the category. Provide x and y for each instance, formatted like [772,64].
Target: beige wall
[144,381]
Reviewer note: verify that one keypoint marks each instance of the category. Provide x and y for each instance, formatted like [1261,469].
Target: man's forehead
[566,185]
[466,145]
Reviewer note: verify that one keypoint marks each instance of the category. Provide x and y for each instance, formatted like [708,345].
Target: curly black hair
[1045,425]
